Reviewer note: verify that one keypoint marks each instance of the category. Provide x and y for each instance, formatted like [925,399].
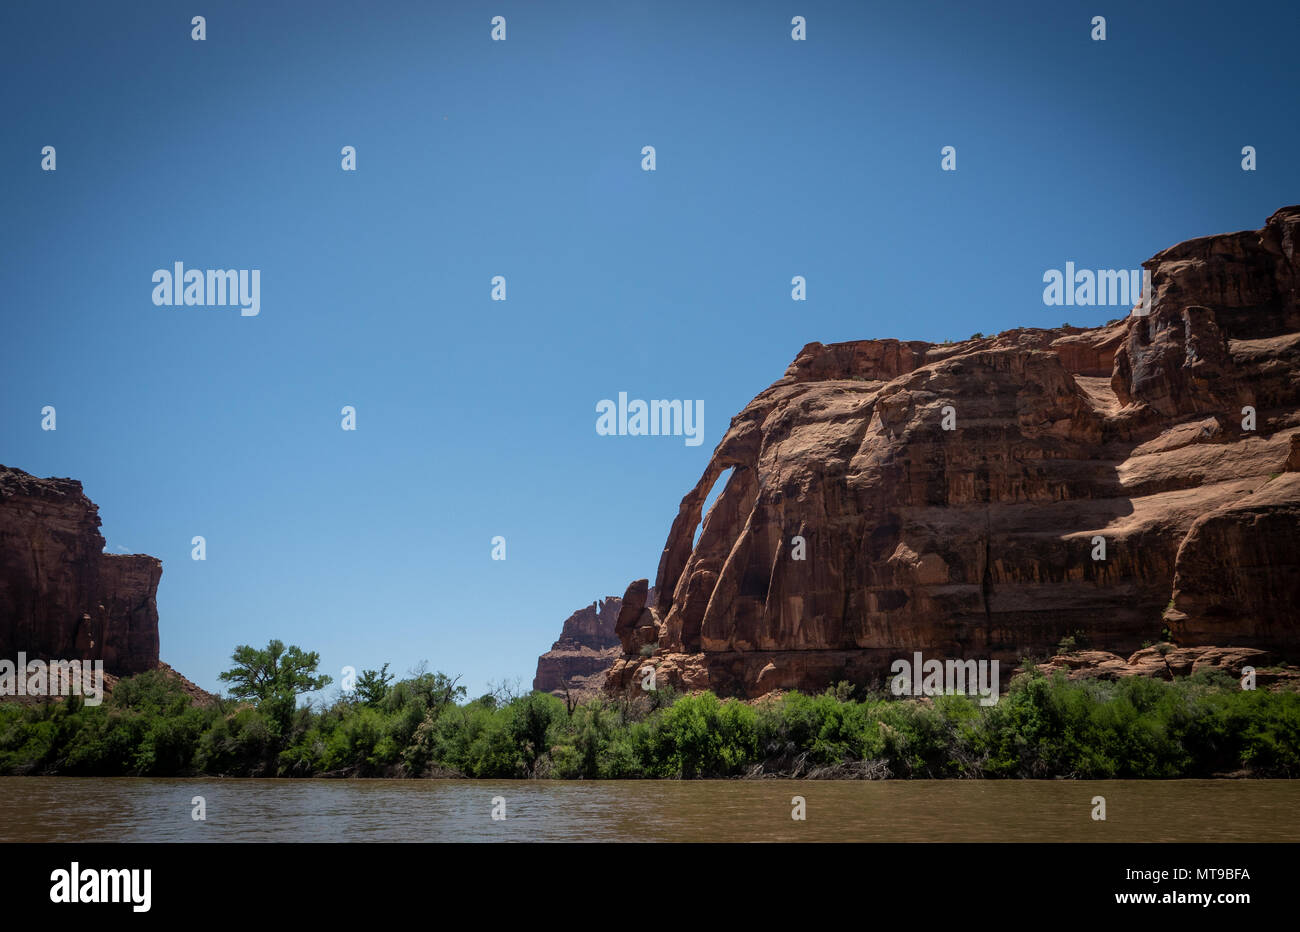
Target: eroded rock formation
[61,596]
[587,648]
[979,541]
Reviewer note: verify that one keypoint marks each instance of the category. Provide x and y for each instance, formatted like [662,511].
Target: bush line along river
[1135,728]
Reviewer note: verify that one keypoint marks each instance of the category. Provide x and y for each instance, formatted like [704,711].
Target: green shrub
[699,736]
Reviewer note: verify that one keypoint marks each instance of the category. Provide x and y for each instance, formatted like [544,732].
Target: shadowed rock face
[978,541]
[61,596]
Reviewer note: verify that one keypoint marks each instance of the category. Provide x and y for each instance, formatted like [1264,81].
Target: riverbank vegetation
[424,725]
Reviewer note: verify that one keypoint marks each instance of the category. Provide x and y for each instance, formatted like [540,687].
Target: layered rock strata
[854,527]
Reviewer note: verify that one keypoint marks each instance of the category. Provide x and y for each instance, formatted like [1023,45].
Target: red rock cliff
[587,648]
[60,594]
[978,541]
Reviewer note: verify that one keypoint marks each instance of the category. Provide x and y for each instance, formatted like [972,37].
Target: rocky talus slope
[980,541]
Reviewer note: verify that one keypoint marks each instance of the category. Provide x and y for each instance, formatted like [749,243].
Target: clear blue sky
[522,158]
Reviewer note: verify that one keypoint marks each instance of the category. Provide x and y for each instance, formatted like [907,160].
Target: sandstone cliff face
[978,541]
[61,596]
[587,648]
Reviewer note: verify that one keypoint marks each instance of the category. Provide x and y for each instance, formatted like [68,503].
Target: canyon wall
[61,596]
[853,528]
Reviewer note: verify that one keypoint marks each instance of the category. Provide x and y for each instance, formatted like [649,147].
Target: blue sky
[522,158]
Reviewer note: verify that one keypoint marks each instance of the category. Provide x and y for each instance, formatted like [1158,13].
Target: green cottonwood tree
[372,685]
[274,677]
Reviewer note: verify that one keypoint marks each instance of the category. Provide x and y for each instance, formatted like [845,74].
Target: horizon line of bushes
[422,726]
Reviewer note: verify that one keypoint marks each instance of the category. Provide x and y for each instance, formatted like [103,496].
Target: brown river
[138,809]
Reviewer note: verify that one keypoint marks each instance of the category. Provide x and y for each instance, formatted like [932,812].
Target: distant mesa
[587,648]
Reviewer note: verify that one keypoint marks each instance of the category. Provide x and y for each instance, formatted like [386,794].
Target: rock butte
[60,594]
[977,542]
[587,648]
[62,597]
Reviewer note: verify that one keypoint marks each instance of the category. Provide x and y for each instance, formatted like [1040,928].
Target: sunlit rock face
[981,540]
[61,596]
